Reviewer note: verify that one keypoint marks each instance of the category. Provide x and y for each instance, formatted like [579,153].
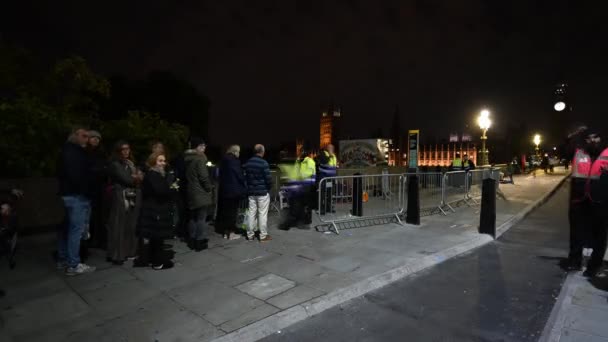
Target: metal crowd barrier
[430,187]
[359,197]
[475,181]
[454,189]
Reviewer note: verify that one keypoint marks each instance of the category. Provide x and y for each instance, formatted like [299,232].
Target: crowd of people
[130,209]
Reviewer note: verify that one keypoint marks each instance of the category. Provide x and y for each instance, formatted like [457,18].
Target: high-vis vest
[590,171]
[329,169]
[457,162]
[307,169]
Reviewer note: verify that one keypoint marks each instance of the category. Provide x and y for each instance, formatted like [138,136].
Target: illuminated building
[444,154]
[328,128]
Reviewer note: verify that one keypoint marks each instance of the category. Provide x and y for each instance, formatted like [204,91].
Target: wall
[41,206]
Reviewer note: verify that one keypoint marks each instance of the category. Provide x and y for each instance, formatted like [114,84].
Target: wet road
[503,291]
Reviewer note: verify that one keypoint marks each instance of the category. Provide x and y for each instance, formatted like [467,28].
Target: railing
[454,189]
[358,197]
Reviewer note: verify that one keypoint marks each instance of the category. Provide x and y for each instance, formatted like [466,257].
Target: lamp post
[537,143]
[484,123]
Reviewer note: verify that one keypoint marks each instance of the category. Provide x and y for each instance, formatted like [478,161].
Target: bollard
[413,201]
[487,216]
[357,196]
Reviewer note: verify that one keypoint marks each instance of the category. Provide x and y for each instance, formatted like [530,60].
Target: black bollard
[487,216]
[357,196]
[413,201]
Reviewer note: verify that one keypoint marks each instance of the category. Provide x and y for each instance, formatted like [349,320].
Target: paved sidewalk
[580,313]
[236,290]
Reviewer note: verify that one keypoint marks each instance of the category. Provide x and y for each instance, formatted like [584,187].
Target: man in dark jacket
[198,194]
[232,191]
[259,183]
[74,190]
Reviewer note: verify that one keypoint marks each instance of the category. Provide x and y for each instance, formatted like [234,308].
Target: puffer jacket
[257,176]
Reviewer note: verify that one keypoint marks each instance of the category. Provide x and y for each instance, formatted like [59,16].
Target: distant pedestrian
[74,176]
[259,184]
[156,216]
[231,193]
[199,195]
[125,203]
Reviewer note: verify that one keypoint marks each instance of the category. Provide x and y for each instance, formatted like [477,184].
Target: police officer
[588,200]
[300,187]
[328,164]
[308,173]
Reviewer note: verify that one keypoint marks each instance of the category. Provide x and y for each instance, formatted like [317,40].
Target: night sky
[268,67]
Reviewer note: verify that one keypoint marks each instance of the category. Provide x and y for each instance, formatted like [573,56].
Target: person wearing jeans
[74,173]
[259,184]
[77,209]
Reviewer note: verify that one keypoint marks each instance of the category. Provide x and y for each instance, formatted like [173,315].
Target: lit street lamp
[537,142]
[484,123]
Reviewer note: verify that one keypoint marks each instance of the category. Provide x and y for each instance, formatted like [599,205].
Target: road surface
[503,291]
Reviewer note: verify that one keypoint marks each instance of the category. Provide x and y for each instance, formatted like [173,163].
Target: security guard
[328,165]
[588,202]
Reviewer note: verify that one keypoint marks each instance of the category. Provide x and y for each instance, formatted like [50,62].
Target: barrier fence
[357,197]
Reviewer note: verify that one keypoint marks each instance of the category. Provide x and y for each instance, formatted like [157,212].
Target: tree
[139,128]
[39,106]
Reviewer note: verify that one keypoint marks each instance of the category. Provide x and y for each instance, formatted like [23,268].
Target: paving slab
[118,299]
[50,310]
[249,317]
[267,286]
[161,319]
[99,279]
[296,295]
[215,302]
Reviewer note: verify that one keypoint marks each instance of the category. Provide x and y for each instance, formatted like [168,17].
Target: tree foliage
[139,128]
[40,104]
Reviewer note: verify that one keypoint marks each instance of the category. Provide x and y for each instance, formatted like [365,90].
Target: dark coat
[74,171]
[199,187]
[257,176]
[232,180]
[156,215]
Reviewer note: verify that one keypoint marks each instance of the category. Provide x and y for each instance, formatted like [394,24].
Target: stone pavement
[580,313]
[236,290]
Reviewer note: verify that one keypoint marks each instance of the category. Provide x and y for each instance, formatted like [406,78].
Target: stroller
[8,227]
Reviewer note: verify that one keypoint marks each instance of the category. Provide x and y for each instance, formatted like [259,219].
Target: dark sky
[269,66]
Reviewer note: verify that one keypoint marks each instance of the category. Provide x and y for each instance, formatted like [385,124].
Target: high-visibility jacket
[586,176]
[457,162]
[307,169]
[329,168]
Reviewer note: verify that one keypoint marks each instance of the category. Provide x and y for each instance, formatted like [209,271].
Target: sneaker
[164,266]
[266,238]
[235,236]
[61,265]
[80,269]
[252,238]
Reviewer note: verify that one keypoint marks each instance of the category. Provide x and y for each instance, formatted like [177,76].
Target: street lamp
[484,123]
[537,142]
